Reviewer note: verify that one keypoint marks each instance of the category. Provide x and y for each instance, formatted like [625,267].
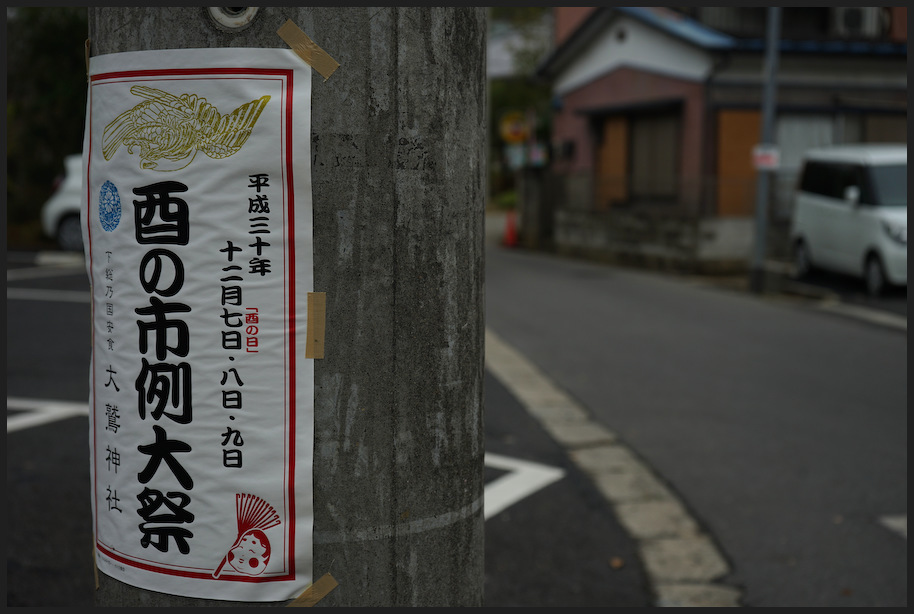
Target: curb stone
[680,561]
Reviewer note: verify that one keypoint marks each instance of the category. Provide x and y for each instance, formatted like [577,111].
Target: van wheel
[69,234]
[802,265]
[874,276]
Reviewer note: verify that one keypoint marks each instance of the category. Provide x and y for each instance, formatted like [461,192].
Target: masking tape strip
[307,50]
[88,44]
[315,592]
[95,566]
[317,313]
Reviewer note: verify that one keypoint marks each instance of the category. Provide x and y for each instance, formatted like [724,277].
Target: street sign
[766,157]
[516,156]
[513,128]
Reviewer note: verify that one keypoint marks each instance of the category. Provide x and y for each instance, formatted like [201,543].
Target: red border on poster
[287,76]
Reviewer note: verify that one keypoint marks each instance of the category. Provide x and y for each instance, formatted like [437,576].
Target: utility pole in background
[398,168]
[757,272]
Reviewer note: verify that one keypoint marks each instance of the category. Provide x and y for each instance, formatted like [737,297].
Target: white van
[850,213]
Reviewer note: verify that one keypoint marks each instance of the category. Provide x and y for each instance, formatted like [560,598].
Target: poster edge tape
[314,593]
[316,324]
[307,49]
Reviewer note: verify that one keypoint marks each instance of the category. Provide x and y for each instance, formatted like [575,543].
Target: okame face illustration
[251,554]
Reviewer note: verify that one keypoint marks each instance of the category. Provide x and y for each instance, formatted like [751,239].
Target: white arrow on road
[40,411]
[897,523]
[524,479]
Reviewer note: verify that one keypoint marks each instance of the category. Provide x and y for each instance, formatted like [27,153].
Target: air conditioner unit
[858,21]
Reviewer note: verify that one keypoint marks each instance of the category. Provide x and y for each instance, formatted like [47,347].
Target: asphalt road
[850,291]
[780,425]
[554,543]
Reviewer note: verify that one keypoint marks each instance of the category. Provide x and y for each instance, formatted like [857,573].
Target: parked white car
[60,214]
[850,214]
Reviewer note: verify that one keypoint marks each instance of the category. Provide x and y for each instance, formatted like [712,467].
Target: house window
[654,157]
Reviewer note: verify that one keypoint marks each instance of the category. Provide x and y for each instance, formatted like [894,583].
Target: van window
[815,178]
[890,185]
[829,179]
[847,175]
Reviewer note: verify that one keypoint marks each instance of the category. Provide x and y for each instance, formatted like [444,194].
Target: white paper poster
[198,232]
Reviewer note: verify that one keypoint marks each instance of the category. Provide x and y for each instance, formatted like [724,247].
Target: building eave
[562,55]
[662,104]
[691,31]
[682,28]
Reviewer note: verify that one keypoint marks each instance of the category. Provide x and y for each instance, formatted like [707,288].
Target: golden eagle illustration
[169,130]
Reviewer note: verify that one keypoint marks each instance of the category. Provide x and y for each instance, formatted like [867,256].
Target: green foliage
[46,101]
[518,15]
[505,201]
[527,21]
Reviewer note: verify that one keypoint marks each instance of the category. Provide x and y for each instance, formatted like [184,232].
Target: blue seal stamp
[109,206]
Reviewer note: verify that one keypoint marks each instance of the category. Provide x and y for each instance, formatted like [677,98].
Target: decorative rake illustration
[252,513]
[169,130]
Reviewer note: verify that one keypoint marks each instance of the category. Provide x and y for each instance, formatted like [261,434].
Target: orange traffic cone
[510,238]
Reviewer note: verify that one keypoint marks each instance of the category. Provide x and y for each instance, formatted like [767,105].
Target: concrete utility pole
[757,273]
[398,164]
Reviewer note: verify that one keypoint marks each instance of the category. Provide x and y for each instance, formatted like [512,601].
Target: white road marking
[43,271]
[866,314]
[38,294]
[524,479]
[898,523]
[72,259]
[40,411]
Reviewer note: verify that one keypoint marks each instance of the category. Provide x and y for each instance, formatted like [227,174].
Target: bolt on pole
[757,275]
[398,158]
